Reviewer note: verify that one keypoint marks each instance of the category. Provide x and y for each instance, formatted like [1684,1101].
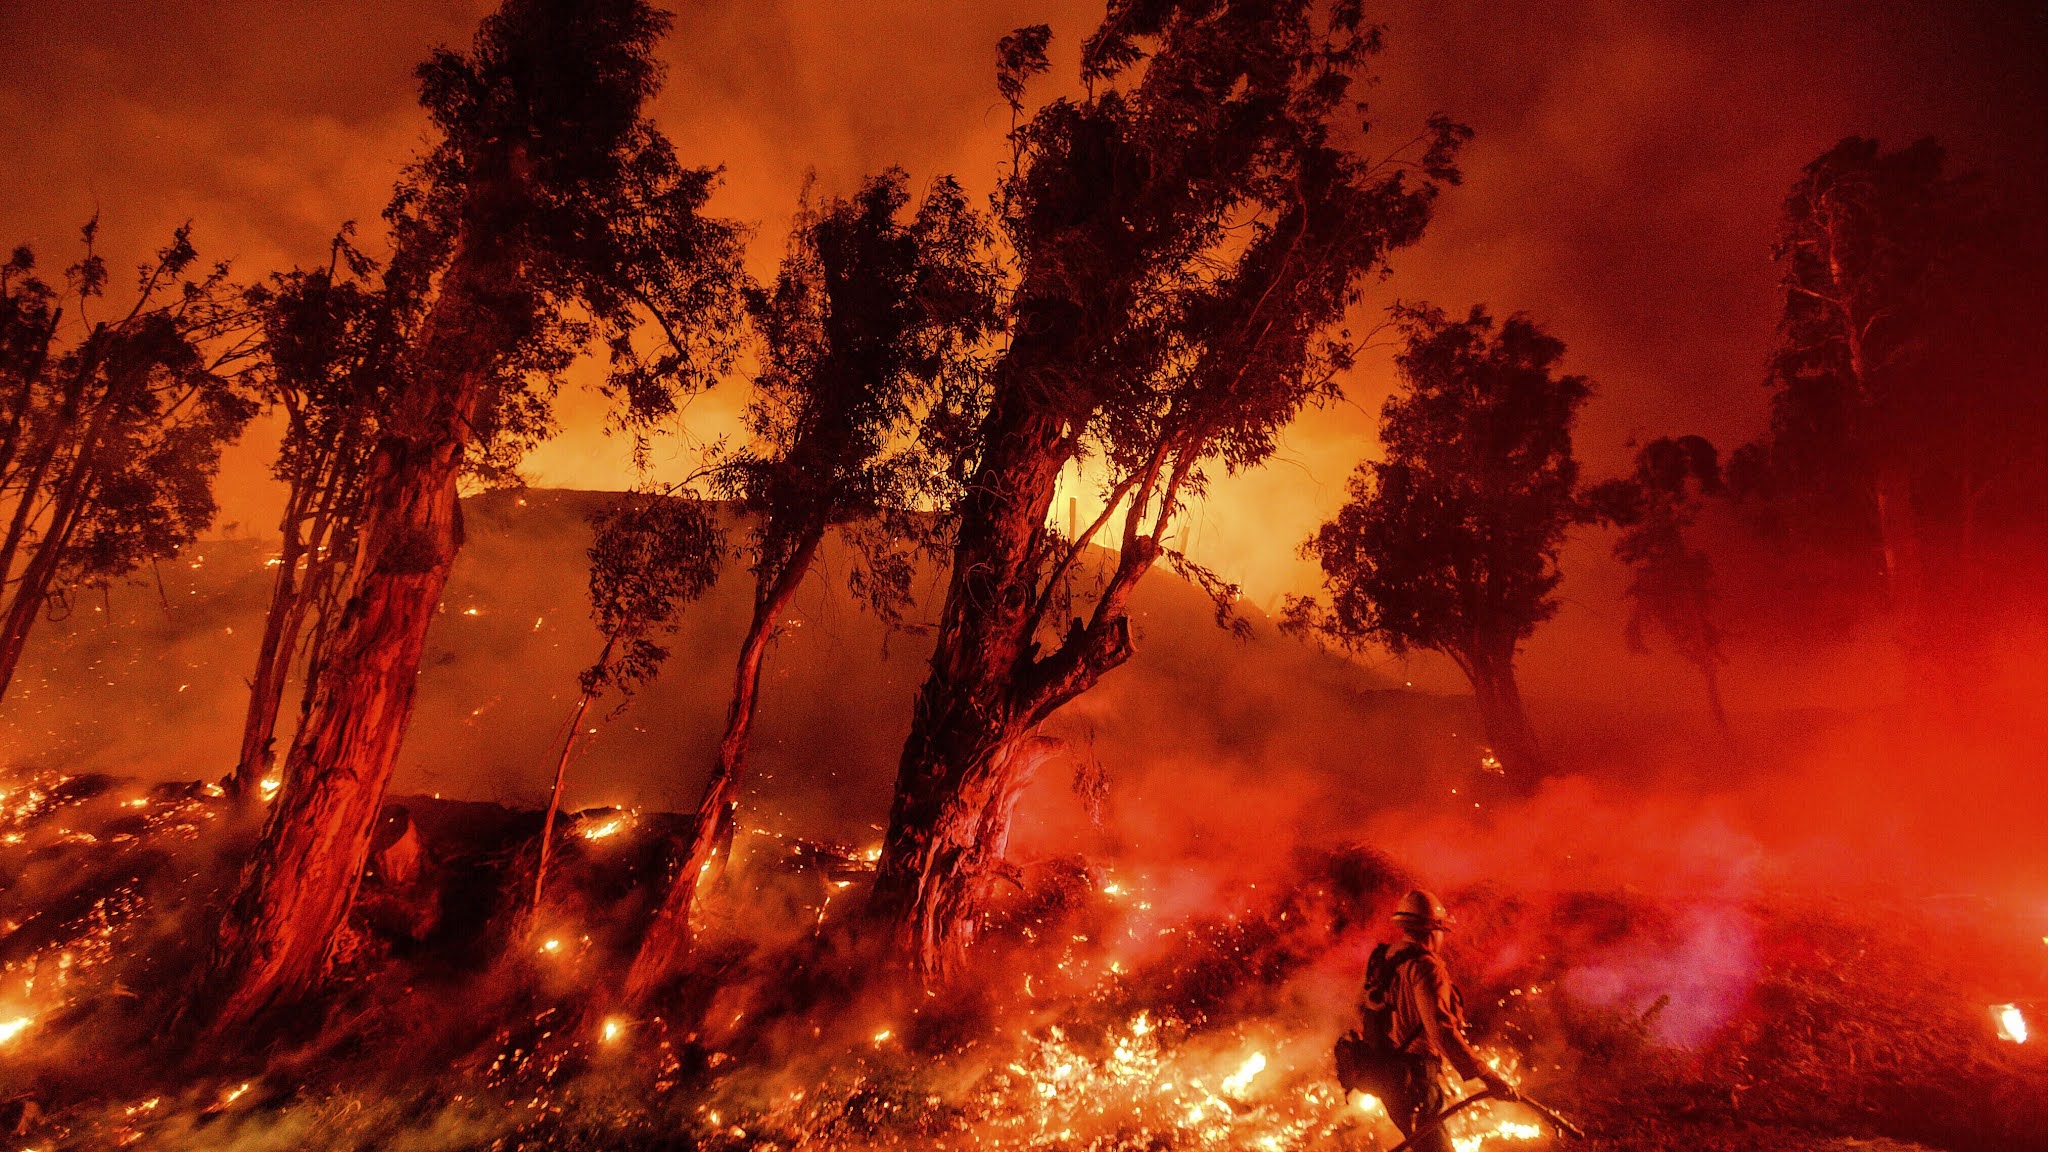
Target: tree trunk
[973,742]
[34,586]
[1508,733]
[46,454]
[1712,675]
[547,824]
[966,715]
[666,943]
[965,821]
[1899,537]
[273,659]
[295,893]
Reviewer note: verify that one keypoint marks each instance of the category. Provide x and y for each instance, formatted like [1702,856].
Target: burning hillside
[1113,1012]
[928,742]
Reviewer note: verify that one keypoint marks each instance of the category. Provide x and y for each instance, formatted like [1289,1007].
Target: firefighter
[1426,1020]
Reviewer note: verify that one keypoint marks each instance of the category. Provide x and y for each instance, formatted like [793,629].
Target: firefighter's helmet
[1420,907]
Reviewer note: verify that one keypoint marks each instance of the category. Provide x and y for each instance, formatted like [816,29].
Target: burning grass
[1109,1012]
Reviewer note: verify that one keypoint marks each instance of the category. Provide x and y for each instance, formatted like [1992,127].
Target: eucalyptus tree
[328,355]
[870,337]
[1450,542]
[1187,236]
[113,425]
[1671,581]
[549,214]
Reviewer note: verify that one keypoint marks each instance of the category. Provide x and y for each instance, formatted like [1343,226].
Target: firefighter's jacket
[1429,1015]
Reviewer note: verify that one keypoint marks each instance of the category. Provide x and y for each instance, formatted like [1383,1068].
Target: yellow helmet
[1423,908]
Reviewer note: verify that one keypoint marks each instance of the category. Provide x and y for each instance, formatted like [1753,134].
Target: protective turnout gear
[1413,1023]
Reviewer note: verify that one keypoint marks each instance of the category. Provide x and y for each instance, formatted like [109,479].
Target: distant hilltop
[149,680]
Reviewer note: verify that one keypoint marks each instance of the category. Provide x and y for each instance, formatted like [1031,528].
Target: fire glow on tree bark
[328,352]
[550,213]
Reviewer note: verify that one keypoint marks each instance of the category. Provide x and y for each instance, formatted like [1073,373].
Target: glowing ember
[613,1029]
[2012,1025]
[9,1029]
[883,1036]
[600,831]
[1504,1130]
[550,947]
[270,785]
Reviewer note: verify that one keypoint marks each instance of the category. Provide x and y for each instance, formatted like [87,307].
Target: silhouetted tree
[1671,583]
[329,348]
[1186,236]
[873,324]
[550,213]
[110,439]
[652,553]
[1450,543]
[1864,246]
[1907,420]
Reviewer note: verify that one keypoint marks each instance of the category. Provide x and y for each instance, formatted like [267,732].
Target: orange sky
[1622,185]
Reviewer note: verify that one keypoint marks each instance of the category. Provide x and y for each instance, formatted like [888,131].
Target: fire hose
[1563,1125]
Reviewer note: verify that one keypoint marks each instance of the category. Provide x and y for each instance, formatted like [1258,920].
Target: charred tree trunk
[965,820]
[295,893]
[666,943]
[1508,732]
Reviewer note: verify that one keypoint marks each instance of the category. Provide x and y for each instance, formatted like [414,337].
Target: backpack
[1368,1061]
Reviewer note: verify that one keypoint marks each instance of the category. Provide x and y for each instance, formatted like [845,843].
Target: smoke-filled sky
[1622,186]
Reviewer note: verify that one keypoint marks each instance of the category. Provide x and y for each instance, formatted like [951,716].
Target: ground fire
[1194,576]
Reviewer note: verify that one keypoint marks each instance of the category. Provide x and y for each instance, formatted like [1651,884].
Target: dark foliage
[1187,238]
[1450,542]
[111,428]
[1671,583]
[1906,411]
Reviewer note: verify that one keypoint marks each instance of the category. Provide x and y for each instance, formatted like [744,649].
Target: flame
[550,947]
[612,1029]
[1236,1083]
[9,1029]
[269,785]
[2012,1024]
